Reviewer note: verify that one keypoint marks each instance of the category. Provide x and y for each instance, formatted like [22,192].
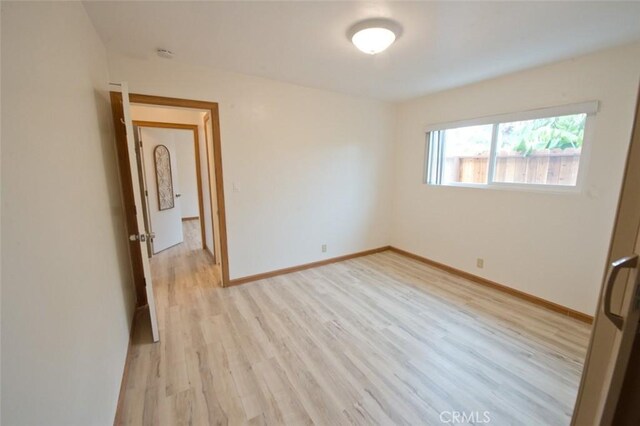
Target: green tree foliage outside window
[553,133]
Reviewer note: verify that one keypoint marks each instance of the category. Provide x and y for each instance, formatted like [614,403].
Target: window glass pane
[544,151]
[465,156]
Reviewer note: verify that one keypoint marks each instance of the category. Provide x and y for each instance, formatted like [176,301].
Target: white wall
[66,281]
[184,116]
[550,245]
[310,167]
[186,162]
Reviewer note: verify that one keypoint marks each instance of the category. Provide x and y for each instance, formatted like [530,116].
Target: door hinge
[146,193]
[140,143]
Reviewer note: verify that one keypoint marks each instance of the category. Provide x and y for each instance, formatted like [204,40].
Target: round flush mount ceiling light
[374,35]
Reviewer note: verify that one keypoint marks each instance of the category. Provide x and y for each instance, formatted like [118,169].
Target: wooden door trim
[212,108]
[196,143]
[122,152]
[206,119]
[123,158]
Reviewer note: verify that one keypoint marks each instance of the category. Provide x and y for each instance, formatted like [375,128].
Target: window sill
[545,189]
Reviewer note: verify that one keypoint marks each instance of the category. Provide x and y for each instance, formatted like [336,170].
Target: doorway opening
[170,124]
[171,179]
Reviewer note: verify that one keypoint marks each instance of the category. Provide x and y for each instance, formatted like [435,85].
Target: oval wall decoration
[164,181]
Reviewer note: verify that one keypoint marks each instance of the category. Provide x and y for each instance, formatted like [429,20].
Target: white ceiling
[444,44]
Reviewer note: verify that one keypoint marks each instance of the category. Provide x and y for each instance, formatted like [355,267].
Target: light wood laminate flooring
[381,339]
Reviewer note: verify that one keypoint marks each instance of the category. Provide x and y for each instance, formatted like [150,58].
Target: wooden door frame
[127,184]
[196,143]
[205,121]
[128,199]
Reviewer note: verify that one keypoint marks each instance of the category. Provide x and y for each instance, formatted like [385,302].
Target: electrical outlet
[324,248]
[480,262]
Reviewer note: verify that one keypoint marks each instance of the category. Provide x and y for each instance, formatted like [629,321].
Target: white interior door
[166,221]
[611,345]
[626,322]
[142,237]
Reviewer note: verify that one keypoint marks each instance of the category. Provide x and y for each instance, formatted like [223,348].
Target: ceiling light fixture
[374,35]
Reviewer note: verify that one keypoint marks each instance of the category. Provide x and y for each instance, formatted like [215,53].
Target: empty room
[319,212]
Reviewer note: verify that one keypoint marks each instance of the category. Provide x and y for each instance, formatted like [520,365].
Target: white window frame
[589,108]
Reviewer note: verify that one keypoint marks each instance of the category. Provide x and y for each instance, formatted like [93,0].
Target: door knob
[136,237]
[625,262]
